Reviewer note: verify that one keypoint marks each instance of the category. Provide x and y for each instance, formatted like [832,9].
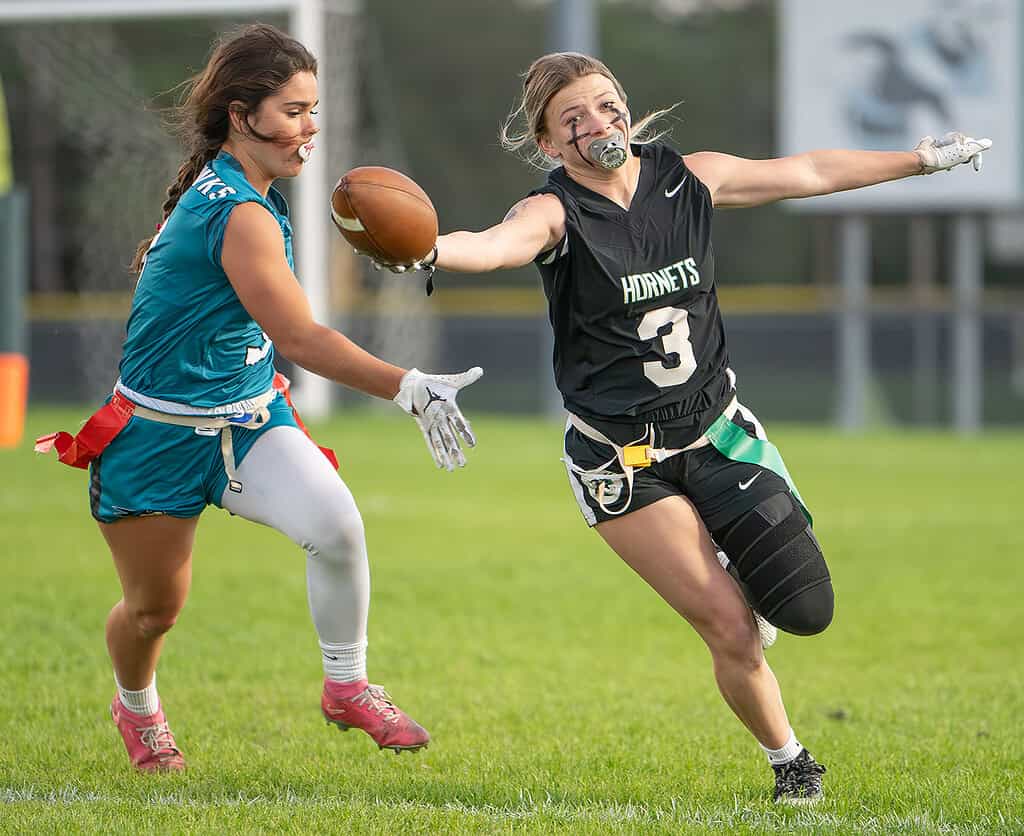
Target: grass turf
[562,694]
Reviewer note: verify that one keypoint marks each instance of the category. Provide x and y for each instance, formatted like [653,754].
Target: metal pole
[854,348]
[967,367]
[313,393]
[13,271]
[923,267]
[574,28]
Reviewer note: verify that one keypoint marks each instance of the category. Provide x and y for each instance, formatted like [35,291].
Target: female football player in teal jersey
[662,458]
[198,416]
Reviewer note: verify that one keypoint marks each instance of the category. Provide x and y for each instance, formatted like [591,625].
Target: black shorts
[720,488]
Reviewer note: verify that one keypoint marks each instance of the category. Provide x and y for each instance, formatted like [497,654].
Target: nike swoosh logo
[744,485]
[672,192]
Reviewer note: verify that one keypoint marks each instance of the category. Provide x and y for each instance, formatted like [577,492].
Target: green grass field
[562,694]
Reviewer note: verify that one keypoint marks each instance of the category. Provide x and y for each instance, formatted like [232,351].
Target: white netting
[110,158]
[89,87]
[400,323]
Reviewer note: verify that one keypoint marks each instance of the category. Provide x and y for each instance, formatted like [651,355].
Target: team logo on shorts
[605,488]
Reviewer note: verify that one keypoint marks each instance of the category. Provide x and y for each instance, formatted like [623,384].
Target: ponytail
[187,174]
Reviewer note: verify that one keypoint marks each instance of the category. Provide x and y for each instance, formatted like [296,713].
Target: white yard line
[675,812]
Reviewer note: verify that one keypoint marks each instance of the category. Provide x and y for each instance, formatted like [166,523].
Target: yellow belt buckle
[636,455]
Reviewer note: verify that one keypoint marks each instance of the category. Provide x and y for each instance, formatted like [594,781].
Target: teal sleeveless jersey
[189,339]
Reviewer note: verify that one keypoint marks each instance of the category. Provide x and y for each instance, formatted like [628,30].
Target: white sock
[344,662]
[144,702]
[789,750]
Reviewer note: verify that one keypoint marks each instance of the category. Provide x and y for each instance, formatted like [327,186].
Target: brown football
[384,214]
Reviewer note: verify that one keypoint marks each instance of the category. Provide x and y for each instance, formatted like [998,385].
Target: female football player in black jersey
[664,461]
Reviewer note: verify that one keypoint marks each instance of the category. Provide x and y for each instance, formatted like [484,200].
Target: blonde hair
[523,128]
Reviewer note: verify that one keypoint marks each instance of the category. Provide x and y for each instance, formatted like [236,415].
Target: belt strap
[79,450]
[248,420]
[227,452]
[658,454]
[109,420]
[649,453]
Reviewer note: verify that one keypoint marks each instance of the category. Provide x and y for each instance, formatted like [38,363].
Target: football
[384,214]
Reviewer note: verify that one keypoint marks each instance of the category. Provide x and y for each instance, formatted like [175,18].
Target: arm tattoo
[512,212]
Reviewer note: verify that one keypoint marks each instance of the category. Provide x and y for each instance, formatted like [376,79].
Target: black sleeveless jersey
[631,298]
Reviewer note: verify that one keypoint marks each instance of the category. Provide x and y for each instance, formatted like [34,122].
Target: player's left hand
[952,150]
[430,400]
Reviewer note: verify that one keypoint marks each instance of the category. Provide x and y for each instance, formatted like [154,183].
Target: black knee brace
[780,565]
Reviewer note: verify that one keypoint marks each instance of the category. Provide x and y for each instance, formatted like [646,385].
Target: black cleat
[799,781]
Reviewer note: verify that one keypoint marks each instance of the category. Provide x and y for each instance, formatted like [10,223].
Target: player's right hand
[394,268]
[952,150]
[426,263]
[430,400]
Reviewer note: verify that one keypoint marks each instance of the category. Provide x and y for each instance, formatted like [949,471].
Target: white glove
[430,399]
[426,263]
[950,151]
[394,268]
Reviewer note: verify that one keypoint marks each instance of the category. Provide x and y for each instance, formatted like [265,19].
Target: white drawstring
[600,475]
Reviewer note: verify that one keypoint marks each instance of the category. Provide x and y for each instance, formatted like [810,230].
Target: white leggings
[289,485]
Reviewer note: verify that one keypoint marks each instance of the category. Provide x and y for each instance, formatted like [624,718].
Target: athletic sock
[789,750]
[144,702]
[344,662]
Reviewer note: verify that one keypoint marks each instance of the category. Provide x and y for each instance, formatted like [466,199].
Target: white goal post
[312,190]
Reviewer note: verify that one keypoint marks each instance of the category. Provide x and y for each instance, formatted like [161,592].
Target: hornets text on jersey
[631,297]
[190,342]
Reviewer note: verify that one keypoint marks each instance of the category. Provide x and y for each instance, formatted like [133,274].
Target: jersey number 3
[671,326]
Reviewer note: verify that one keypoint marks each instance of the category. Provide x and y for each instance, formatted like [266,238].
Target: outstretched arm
[533,225]
[253,257]
[736,182]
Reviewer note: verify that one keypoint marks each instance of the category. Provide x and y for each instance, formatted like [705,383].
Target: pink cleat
[370,708]
[148,739]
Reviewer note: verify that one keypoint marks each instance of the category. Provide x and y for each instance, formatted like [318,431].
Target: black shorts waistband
[670,430]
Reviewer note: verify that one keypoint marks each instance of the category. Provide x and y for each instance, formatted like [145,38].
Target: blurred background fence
[423,87]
